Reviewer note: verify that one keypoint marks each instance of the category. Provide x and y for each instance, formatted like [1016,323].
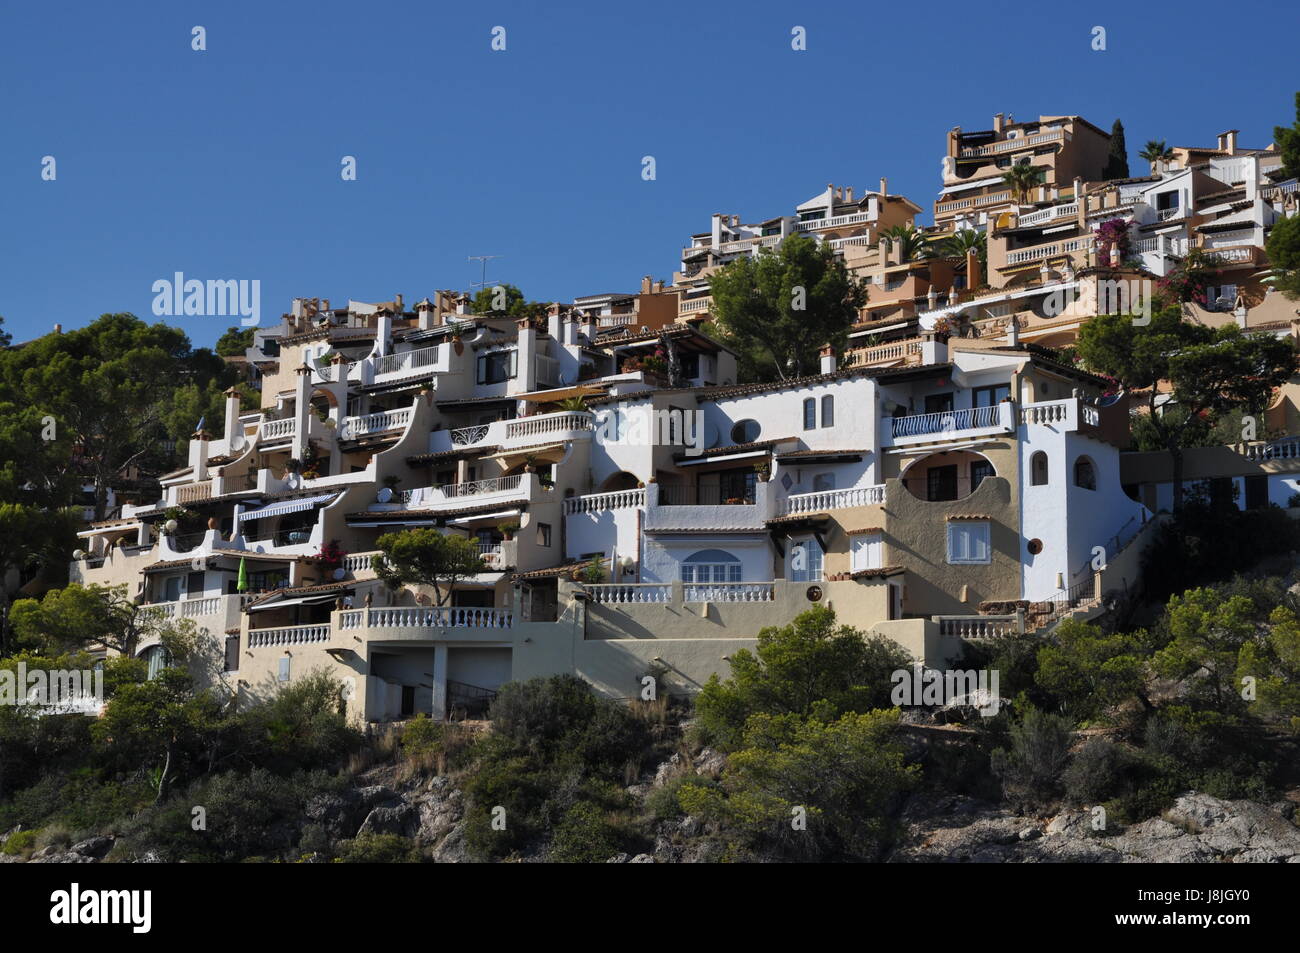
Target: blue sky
[225,163]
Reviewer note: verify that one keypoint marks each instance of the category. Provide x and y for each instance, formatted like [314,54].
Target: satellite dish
[385,494]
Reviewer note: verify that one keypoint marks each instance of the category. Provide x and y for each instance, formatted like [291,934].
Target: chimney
[974,277]
[658,287]
[848,194]
[526,344]
[998,123]
[735,221]
[400,307]
[571,331]
[58,329]
[828,359]
[1231,138]
[425,313]
[234,432]
[555,323]
[199,443]
[1222,144]
[884,186]
[645,284]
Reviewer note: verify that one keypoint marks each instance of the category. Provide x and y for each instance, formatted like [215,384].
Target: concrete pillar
[234,433]
[302,412]
[526,364]
[439,711]
[199,444]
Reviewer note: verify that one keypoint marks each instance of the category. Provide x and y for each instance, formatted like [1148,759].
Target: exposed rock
[96,847]
[1197,829]
[709,763]
[622,858]
[452,850]
[669,769]
[403,819]
[642,859]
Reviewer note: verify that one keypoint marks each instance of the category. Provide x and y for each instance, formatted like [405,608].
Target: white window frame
[965,548]
[816,562]
[866,551]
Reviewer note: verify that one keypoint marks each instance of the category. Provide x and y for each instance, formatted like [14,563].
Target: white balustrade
[278,429]
[602,502]
[947,422]
[549,424]
[976,628]
[439,617]
[616,593]
[406,361]
[289,635]
[799,504]
[727,592]
[375,423]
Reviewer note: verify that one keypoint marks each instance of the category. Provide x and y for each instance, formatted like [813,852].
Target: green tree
[1207,633]
[963,240]
[912,243]
[1283,247]
[235,341]
[840,776]
[83,618]
[1117,159]
[5,337]
[778,310]
[810,667]
[1156,151]
[1288,143]
[1021,178]
[1212,371]
[426,557]
[1275,666]
[31,541]
[1032,766]
[1090,671]
[516,305]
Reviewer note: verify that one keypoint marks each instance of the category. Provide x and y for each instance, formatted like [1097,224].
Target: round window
[814,593]
[745,431]
[1035,547]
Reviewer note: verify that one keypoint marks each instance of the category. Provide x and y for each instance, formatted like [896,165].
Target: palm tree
[960,242]
[1156,151]
[1021,178]
[913,244]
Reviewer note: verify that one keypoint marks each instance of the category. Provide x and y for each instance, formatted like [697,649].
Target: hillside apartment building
[948,478]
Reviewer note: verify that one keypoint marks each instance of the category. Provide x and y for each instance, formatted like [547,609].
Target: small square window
[968,542]
[543,534]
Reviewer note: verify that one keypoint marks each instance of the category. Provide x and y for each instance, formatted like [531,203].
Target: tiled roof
[325,587]
[883,571]
[551,573]
[806,454]
[420,459]
[865,529]
[732,448]
[954,517]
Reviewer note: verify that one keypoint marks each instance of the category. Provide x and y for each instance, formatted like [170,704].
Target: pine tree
[1117,161]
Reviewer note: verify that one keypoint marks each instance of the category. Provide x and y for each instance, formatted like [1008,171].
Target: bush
[1031,768]
[583,837]
[377,849]
[20,844]
[1098,772]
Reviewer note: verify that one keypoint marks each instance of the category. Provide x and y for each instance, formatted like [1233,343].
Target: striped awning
[286,506]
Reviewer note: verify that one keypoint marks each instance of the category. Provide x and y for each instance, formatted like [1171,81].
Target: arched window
[711,565]
[828,411]
[156,658]
[810,414]
[1038,469]
[1085,474]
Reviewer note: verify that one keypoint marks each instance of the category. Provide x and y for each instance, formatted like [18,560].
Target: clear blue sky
[225,163]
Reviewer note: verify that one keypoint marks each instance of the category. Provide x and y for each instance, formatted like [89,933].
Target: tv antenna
[482,283]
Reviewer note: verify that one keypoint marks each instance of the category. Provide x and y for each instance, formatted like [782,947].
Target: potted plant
[457,344]
[508,530]
[591,572]
[761,471]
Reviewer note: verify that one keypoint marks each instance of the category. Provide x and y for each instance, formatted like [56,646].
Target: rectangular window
[938,403]
[810,414]
[171,589]
[979,469]
[828,411]
[968,542]
[941,483]
[868,551]
[194,585]
[497,367]
[823,482]
[232,653]
[1256,492]
[284,669]
[543,534]
[990,396]
[806,562]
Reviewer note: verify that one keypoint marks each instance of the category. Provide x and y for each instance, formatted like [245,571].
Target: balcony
[503,489]
[418,619]
[416,363]
[1003,146]
[671,508]
[907,351]
[1041,252]
[951,425]
[695,305]
[1042,216]
[727,592]
[564,425]
[837,221]
[978,202]
[800,504]
[288,635]
[386,421]
[278,431]
[633,593]
[604,502]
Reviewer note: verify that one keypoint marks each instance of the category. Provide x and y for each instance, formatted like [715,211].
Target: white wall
[663,555]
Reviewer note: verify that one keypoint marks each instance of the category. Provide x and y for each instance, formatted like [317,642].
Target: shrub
[377,849]
[20,844]
[583,837]
[1099,771]
[1031,768]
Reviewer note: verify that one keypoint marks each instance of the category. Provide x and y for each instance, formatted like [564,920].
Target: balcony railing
[615,320]
[358,562]
[549,424]
[727,592]
[1288,449]
[1012,145]
[374,423]
[670,495]
[468,436]
[820,500]
[1069,246]
[194,492]
[893,351]
[429,496]
[856,218]
[1049,214]
[278,429]
[947,422]
[289,635]
[628,593]
[406,361]
[437,617]
[695,305]
[602,502]
[976,627]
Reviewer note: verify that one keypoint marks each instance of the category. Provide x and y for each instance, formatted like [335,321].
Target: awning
[286,506]
[560,393]
[297,601]
[523,451]
[501,514]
